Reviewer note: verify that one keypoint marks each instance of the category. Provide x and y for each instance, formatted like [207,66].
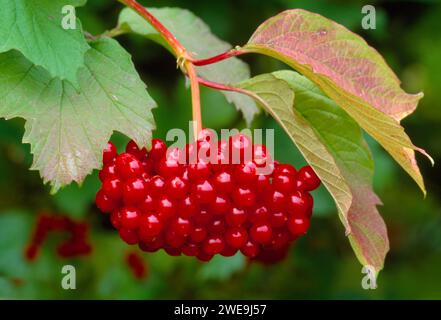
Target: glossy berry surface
[186,202]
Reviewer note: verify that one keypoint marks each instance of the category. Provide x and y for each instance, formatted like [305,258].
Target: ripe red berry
[203,217]
[284,169]
[223,182]
[213,245]
[236,237]
[251,249]
[240,148]
[204,191]
[115,219]
[198,234]
[148,204]
[109,153]
[245,174]
[228,251]
[216,226]
[187,207]
[236,216]
[130,217]
[244,197]
[156,185]
[108,172]
[182,227]
[133,149]
[177,187]
[166,208]
[169,167]
[127,166]
[262,183]
[149,226]
[275,200]
[284,183]
[190,249]
[261,233]
[220,205]
[173,239]
[158,149]
[259,214]
[135,191]
[307,179]
[113,188]
[105,203]
[199,171]
[298,226]
[129,236]
[299,204]
[152,245]
[278,219]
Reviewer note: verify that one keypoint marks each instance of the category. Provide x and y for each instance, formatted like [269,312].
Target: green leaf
[337,152]
[34,27]
[367,230]
[68,129]
[196,36]
[347,70]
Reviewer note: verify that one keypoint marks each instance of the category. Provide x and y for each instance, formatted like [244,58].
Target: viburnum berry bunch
[75,245]
[205,208]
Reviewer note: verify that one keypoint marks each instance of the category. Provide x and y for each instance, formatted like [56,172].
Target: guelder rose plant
[74,90]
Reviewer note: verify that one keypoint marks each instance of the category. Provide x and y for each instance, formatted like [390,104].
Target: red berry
[284,169]
[307,179]
[127,166]
[158,150]
[177,187]
[187,207]
[105,203]
[166,208]
[115,219]
[281,239]
[130,217]
[152,245]
[278,219]
[240,149]
[216,226]
[169,167]
[284,183]
[109,153]
[113,188]
[204,191]
[220,205]
[199,171]
[182,227]
[198,234]
[148,204]
[173,239]
[262,183]
[259,214]
[275,200]
[245,174]
[108,172]
[298,226]
[203,217]
[213,245]
[171,251]
[228,251]
[156,185]
[202,256]
[299,204]
[223,182]
[133,149]
[135,191]
[244,197]
[190,249]
[236,217]
[236,237]
[261,233]
[149,226]
[129,236]
[251,249]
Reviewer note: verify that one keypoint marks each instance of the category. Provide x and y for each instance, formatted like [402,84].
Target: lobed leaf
[348,71]
[68,128]
[196,36]
[34,27]
[343,160]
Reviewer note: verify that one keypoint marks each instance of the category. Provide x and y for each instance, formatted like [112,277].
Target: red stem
[231,53]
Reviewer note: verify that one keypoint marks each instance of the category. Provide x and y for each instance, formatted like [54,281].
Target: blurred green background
[320,265]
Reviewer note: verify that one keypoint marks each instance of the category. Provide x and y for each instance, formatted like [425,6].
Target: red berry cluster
[76,245]
[202,208]
[137,265]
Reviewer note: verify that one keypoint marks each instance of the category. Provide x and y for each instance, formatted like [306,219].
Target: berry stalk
[220,57]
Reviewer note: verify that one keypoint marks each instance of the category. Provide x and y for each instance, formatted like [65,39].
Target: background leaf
[347,70]
[196,36]
[34,28]
[68,129]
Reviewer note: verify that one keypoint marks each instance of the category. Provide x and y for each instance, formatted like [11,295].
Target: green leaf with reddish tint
[34,27]
[332,134]
[197,38]
[367,230]
[69,128]
[348,71]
